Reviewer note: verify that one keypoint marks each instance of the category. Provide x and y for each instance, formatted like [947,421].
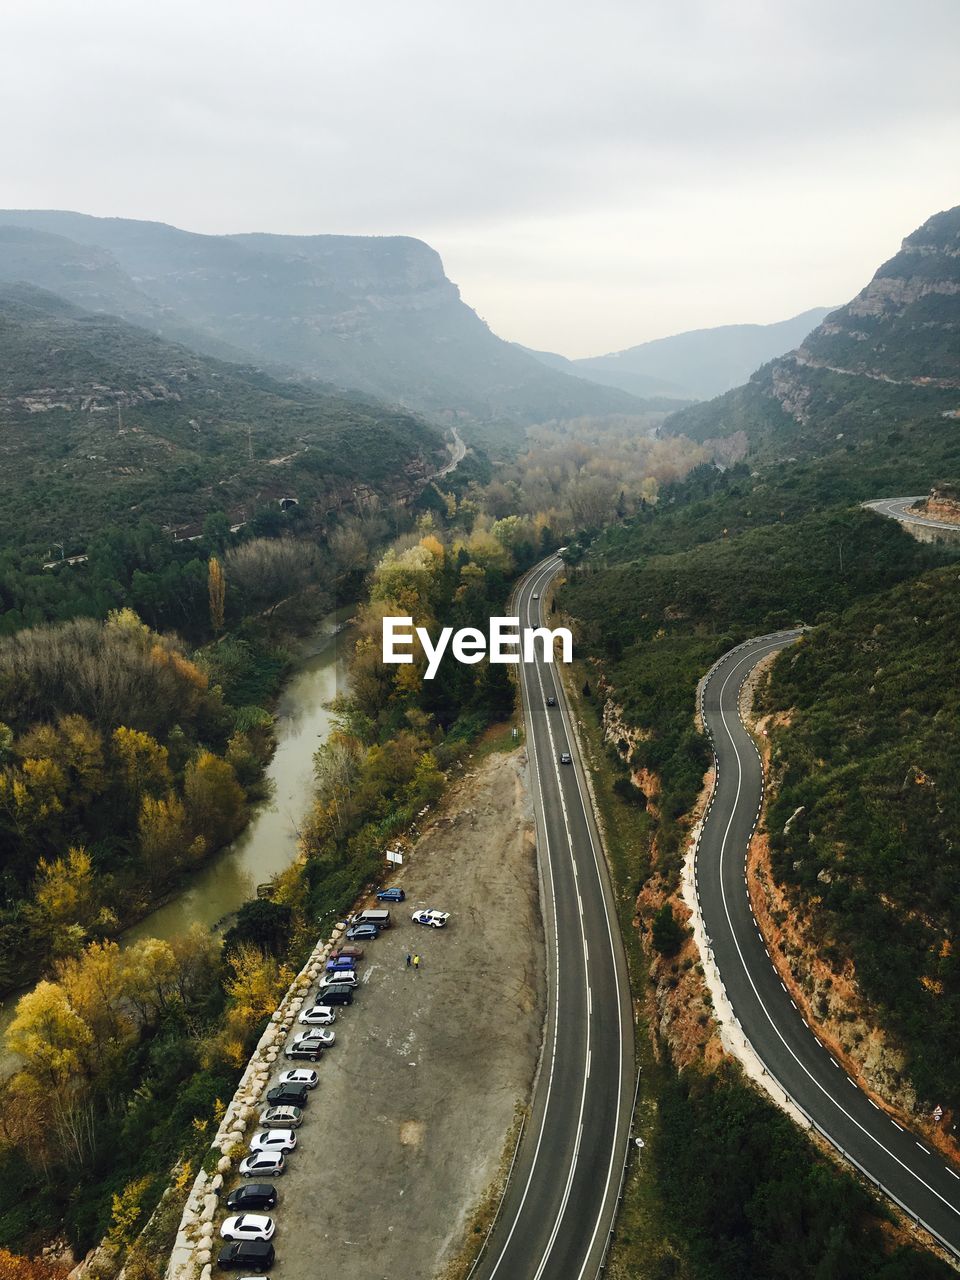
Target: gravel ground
[416,1098]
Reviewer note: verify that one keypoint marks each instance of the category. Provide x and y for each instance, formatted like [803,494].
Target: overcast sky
[594,173]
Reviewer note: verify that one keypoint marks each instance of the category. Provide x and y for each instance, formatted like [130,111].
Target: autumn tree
[217,592]
[215,801]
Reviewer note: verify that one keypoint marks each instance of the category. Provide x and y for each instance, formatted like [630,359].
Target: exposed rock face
[893,352]
[373,313]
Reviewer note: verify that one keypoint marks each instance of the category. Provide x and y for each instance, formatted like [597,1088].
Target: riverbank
[268,844]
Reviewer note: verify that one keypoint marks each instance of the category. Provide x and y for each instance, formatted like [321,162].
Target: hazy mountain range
[695,365]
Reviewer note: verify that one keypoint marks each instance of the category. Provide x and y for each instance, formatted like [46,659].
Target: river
[269,842]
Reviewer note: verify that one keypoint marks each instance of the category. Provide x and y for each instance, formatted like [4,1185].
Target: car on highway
[263,1164]
[536,595]
[273,1140]
[248,1226]
[247,1254]
[432,919]
[318,1015]
[363,932]
[551,701]
[255,1195]
[565,757]
[288,1095]
[281,1118]
[299,1076]
[394,894]
[339,994]
[342,978]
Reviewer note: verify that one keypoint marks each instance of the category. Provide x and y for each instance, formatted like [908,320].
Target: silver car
[281,1118]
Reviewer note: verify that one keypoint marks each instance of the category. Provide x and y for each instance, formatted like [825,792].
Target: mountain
[881,373]
[103,422]
[695,365]
[376,314]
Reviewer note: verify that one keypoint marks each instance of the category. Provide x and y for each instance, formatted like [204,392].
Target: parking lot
[417,1097]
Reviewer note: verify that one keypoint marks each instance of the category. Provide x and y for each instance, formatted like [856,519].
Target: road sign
[395,857]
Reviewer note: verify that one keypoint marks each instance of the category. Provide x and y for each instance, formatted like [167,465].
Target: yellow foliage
[141,760]
[127,1209]
[64,892]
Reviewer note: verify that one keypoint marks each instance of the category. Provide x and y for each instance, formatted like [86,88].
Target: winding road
[901,509]
[558,1208]
[897,1161]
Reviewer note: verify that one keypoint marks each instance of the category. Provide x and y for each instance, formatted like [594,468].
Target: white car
[317,1035]
[434,919]
[263,1164]
[299,1075]
[347,976]
[281,1118]
[536,595]
[273,1140]
[321,1015]
[248,1226]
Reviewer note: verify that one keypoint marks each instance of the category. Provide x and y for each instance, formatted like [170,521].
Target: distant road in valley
[899,1162]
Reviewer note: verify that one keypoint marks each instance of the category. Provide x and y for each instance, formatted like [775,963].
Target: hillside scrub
[867,767]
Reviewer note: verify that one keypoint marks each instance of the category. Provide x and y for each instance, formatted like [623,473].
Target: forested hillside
[882,370]
[865,827]
[105,424]
[370,313]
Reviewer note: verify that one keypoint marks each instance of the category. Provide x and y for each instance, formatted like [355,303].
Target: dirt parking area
[417,1097]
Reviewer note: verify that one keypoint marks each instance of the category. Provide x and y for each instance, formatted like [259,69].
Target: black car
[255,1195]
[288,1095]
[565,757]
[337,993]
[551,701]
[258,1255]
[304,1053]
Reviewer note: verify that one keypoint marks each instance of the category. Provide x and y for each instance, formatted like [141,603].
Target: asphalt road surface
[900,1163]
[562,1194]
[899,509]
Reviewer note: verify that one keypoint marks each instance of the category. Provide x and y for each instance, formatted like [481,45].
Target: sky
[593,174]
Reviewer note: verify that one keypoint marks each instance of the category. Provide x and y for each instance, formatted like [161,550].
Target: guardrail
[623,1178]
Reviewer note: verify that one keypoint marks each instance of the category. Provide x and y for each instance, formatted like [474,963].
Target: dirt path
[406,1129]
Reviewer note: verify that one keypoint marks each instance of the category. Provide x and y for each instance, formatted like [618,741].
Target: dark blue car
[391,895]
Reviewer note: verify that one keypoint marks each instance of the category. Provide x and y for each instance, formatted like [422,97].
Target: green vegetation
[868,765]
[748,1195]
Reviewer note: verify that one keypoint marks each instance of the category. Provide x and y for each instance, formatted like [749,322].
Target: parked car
[263,1164]
[340,994]
[246,1255]
[299,1076]
[432,919]
[565,757]
[315,1036]
[343,977]
[255,1195]
[379,917]
[337,964]
[363,932]
[273,1140]
[395,894]
[288,1095]
[551,701]
[318,1015]
[281,1118]
[248,1226]
[308,1052]
[347,953]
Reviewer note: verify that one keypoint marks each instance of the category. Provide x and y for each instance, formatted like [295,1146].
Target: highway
[899,509]
[560,1200]
[898,1161]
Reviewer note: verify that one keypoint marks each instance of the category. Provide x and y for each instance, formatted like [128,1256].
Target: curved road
[560,1201]
[900,509]
[904,1166]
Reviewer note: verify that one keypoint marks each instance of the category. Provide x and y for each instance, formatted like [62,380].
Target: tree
[141,763]
[164,834]
[262,924]
[64,892]
[215,800]
[217,591]
[49,1034]
[668,934]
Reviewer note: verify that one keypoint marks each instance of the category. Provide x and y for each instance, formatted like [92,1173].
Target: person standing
[416,962]
[408,959]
